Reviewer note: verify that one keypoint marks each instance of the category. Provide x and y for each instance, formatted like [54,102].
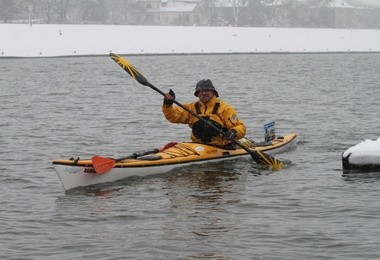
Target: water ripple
[231,210]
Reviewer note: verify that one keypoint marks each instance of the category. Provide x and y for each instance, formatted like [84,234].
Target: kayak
[75,173]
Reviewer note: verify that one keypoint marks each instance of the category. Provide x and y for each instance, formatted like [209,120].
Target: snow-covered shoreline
[50,40]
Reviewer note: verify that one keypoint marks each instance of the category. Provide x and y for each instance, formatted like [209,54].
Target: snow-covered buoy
[363,157]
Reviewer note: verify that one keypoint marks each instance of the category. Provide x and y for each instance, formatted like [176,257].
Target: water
[68,107]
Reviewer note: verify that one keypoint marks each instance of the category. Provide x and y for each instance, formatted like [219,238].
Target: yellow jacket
[225,115]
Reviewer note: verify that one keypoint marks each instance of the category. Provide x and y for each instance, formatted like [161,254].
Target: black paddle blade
[266,160]
[128,67]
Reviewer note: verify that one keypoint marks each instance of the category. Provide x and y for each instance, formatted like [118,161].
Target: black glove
[230,134]
[169,102]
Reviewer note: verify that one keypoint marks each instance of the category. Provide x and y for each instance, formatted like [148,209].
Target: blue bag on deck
[269,131]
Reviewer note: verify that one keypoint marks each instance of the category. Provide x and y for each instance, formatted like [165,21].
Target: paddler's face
[205,95]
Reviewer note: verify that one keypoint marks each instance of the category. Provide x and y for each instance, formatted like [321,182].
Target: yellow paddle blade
[261,158]
[129,68]
[266,159]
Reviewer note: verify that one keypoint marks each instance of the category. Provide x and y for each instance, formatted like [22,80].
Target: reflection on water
[102,191]
[194,192]
[361,176]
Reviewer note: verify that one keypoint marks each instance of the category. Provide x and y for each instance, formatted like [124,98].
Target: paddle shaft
[104,164]
[135,155]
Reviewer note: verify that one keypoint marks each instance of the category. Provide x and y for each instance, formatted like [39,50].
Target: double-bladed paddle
[105,164]
[259,157]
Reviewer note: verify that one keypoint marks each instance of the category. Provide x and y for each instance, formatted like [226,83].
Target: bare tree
[255,13]
[8,10]
[121,11]
[43,9]
[209,11]
[48,10]
[62,11]
[237,7]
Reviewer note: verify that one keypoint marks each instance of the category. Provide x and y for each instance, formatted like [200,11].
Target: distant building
[167,12]
[337,14]
[180,13]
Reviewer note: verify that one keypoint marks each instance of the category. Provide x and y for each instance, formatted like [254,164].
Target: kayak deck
[184,152]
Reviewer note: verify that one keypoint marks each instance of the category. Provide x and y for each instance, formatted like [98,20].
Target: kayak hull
[73,174]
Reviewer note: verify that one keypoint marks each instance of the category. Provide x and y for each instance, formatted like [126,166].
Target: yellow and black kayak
[85,172]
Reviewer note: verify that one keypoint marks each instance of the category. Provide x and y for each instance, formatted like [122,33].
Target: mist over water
[69,107]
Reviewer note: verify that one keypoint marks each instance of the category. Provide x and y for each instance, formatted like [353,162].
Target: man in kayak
[211,108]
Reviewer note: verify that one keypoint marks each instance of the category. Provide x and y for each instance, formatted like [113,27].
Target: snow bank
[22,40]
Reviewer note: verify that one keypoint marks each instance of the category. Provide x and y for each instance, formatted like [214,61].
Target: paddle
[105,164]
[259,157]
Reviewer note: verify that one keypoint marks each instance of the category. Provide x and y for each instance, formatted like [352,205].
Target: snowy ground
[22,40]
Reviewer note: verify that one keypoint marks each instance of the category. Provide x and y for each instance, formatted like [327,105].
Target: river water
[68,107]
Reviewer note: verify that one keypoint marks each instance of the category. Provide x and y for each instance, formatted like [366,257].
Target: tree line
[258,13]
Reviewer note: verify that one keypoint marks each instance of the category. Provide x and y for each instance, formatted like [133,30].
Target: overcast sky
[370,2]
